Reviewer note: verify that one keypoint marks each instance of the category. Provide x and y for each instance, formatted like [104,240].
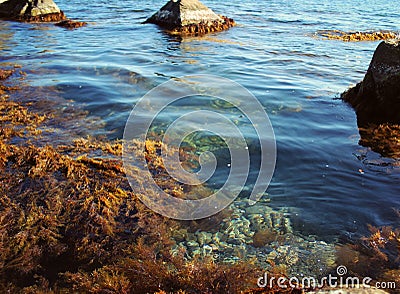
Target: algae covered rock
[377,98]
[189,17]
[31,10]
[357,36]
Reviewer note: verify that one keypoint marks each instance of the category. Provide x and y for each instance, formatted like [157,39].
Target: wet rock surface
[31,10]
[376,101]
[377,98]
[189,17]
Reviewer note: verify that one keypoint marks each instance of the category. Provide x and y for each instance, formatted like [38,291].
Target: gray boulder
[189,17]
[376,99]
[31,10]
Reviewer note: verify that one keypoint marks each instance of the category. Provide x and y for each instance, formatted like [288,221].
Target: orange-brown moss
[4,74]
[69,221]
[49,17]
[383,138]
[264,237]
[376,256]
[71,24]
[203,28]
[358,36]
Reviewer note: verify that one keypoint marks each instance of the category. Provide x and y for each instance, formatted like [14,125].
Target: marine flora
[203,28]
[49,17]
[383,138]
[71,24]
[357,36]
[69,221]
[264,236]
[376,256]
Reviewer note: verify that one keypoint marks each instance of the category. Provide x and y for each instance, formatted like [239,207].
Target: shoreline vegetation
[69,221]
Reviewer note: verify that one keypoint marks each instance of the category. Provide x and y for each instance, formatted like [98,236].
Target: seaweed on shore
[357,36]
[383,138]
[69,220]
[376,256]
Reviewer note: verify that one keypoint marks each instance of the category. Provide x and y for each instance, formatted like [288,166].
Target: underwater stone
[31,10]
[189,17]
[179,235]
[219,237]
[204,238]
[192,243]
[71,24]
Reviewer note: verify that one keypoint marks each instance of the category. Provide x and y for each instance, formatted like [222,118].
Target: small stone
[207,249]
[179,235]
[192,243]
[219,237]
[272,255]
[204,238]
[70,24]
[214,247]
[234,241]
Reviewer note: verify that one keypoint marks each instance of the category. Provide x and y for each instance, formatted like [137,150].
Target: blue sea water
[331,185]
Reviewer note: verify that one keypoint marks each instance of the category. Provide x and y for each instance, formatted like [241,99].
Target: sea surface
[331,186]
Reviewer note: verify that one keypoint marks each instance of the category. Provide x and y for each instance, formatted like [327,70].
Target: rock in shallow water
[377,98]
[70,24]
[189,17]
[376,101]
[31,10]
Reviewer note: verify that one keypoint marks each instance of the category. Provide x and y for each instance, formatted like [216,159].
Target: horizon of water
[274,52]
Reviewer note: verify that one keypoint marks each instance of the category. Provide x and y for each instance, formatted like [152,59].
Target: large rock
[189,17]
[376,99]
[31,10]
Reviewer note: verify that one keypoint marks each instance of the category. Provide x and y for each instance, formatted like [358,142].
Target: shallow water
[332,186]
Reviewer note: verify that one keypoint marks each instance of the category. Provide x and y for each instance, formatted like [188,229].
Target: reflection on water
[5,36]
[106,67]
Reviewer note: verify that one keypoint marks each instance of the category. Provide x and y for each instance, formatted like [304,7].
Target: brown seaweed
[69,220]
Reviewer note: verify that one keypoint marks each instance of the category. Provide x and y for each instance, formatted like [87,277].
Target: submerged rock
[357,36]
[70,24]
[189,17]
[31,10]
[377,98]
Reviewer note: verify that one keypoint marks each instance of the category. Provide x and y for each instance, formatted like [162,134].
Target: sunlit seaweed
[383,138]
[69,220]
[357,36]
[376,256]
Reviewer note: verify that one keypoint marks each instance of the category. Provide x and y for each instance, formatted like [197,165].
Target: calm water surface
[108,65]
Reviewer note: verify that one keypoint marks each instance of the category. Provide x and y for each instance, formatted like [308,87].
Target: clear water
[108,65]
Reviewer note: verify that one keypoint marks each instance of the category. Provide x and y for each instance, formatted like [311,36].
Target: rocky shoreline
[71,206]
